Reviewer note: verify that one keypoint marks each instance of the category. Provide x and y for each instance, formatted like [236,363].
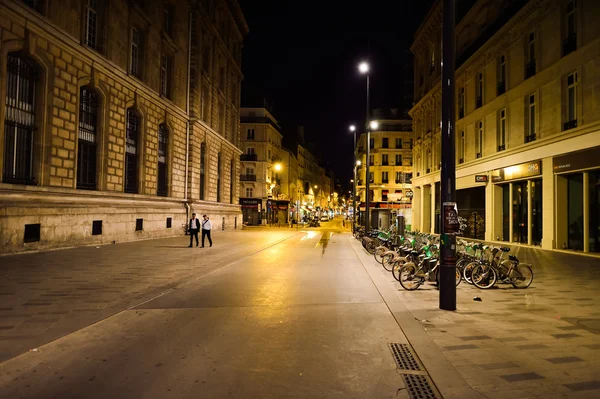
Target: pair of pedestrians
[196,225]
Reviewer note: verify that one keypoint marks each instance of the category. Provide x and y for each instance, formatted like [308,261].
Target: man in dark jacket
[194,227]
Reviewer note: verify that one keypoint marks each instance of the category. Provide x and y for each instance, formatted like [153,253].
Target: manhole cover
[420,387]
[405,358]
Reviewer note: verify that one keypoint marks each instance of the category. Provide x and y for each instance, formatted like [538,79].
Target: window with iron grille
[131,151]
[86,139]
[202,169]
[136,53]
[219,166]
[165,76]
[19,121]
[37,5]
[163,139]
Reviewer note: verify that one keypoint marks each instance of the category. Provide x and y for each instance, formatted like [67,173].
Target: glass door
[520,212]
[536,212]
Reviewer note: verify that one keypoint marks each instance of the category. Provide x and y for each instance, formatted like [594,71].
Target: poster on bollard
[451,223]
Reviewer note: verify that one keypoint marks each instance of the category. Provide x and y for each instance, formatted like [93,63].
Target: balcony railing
[529,138]
[479,102]
[530,69]
[502,147]
[248,157]
[570,124]
[570,44]
[247,177]
[501,87]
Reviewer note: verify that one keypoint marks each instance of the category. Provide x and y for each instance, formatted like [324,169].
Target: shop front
[578,200]
[471,211]
[251,210]
[521,202]
[277,211]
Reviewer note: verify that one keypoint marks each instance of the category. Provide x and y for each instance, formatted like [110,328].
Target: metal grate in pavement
[405,358]
[420,387]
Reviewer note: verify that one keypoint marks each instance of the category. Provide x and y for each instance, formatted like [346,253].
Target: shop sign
[451,223]
[481,179]
[520,171]
[250,202]
[409,193]
[585,159]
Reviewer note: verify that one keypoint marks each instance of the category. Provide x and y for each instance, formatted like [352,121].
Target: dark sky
[302,56]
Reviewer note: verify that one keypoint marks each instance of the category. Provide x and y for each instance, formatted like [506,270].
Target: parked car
[324,218]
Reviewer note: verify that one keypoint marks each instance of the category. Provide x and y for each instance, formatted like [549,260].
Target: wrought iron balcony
[247,177]
[570,124]
[501,87]
[248,157]
[530,69]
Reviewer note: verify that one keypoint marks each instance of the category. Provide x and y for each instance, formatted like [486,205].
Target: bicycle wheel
[379,251]
[371,247]
[387,261]
[468,271]
[521,276]
[484,276]
[396,266]
[458,276]
[408,277]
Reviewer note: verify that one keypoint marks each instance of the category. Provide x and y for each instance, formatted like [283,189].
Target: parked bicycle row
[413,259]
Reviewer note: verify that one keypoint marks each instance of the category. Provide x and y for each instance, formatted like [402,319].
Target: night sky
[302,57]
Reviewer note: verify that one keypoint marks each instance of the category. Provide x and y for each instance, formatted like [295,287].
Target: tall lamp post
[353,130]
[363,68]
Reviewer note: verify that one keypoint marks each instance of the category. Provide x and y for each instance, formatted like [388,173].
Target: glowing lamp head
[363,67]
[352,128]
[374,125]
[277,167]
[358,163]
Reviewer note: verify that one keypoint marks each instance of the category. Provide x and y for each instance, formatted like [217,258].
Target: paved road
[284,313]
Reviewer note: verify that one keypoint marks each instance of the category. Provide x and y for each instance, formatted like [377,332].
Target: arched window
[87,139]
[163,139]
[19,121]
[131,151]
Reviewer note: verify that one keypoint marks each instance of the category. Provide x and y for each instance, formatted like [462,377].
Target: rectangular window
[219,174]
[97,227]
[501,136]
[131,151]
[461,103]
[501,74]
[398,177]
[205,102]
[135,66]
[399,142]
[530,119]
[384,195]
[461,149]
[86,139]
[479,100]
[167,19]
[384,159]
[202,170]
[570,43]
[371,160]
[139,224]
[206,54]
[163,138]
[222,119]
[165,76]
[530,66]
[251,151]
[372,143]
[385,143]
[384,177]
[371,177]
[571,117]
[37,5]
[32,232]
[398,160]
[250,134]
[249,192]
[479,140]
[91,24]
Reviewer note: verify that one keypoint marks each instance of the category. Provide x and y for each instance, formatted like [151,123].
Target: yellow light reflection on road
[309,235]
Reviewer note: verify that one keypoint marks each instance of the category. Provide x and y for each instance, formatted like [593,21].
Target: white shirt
[195,223]
[206,225]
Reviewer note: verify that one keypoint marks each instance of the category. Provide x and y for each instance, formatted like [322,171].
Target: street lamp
[277,167]
[364,68]
[352,129]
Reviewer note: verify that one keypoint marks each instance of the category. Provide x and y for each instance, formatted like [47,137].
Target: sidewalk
[46,295]
[539,342]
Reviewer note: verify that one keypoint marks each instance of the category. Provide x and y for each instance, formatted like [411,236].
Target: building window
[222,119]
[501,74]
[501,136]
[372,143]
[37,5]
[219,174]
[384,177]
[92,25]
[250,134]
[167,19]
[570,43]
[202,169]
[461,148]
[19,121]
[384,195]
[371,159]
[399,159]
[205,102]
[165,76]
[398,142]
[86,139]
[398,177]
[384,159]
[530,66]
[385,143]
[135,63]
[530,119]
[479,100]
[231,180]
[131,151]
[251,151]
[371,177]
[206,55]
[163,139]
[461,103]
[222,78]
[571,116]
[249,192]
[479,141]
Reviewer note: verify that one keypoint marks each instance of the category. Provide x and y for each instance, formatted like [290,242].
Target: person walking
[193,228]
[206,228]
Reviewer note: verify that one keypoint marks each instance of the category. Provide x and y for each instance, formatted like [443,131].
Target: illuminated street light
[316,186]
[374,125]
[352,128]
[277,167]
[363,67]
[358,163]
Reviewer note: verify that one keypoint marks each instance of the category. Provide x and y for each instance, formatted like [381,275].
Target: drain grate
[419,387]
[405,358]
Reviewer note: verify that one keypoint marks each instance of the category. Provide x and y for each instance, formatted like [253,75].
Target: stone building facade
[118,119]
[527,122]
